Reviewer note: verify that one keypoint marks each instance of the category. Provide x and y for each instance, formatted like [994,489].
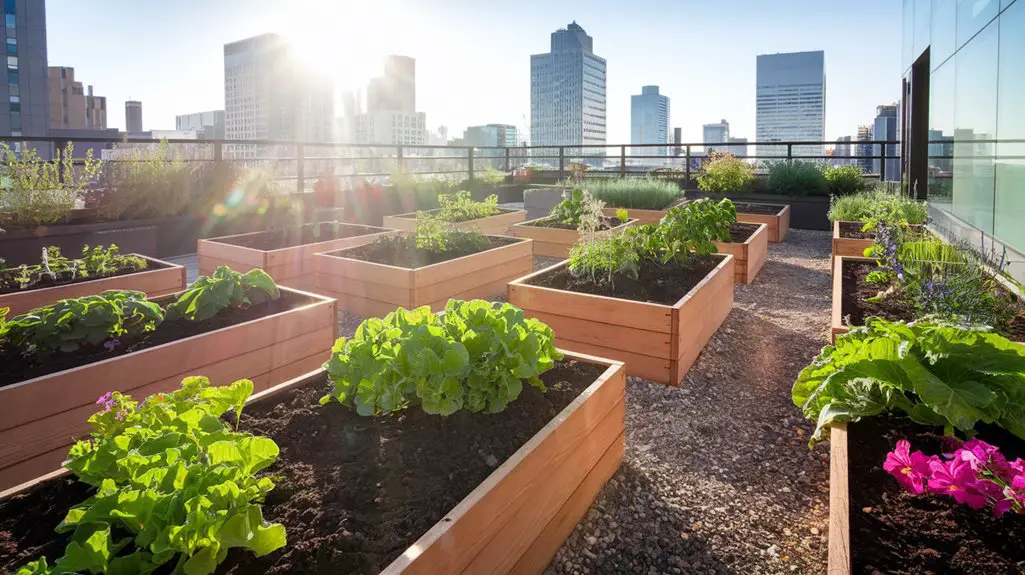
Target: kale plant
[226,288]
[175,486]
[939,372]
[460,207]
[89,321]
[476,356]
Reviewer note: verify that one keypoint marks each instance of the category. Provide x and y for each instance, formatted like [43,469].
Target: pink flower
[106,401]
[957,479]
[983,457]
[911,470]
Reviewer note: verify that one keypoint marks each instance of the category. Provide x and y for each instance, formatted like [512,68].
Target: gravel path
[718,477]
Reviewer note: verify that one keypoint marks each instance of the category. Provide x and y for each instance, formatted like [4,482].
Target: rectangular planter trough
[779,223]
[556,242]
[43,416]
[643,216]
[749,256]
[518,517]
[496,225]
[849,247]
[656,342]
[290,266]
[371,289]
[160,278]
[839,561]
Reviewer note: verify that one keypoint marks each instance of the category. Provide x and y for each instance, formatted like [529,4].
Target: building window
[10,21]
[12,47]
[9,6]
[12,62]
[15,120]
[12,76]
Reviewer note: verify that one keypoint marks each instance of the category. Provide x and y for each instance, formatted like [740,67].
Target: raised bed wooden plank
[157,281]
[749,256]
[839,561]
[497,225]
[471,264]
[644,216]
[629,339]
[778,223]
[556,242]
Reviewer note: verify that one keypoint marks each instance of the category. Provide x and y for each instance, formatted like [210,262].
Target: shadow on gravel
[774,269]
[630,529]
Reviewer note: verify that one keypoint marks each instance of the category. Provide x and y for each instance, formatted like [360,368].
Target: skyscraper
[885,128]
[207,125]
[25,89]
[649,121]
[269,95]
[737,147]
[864,151]
[567,92]
[391,116]
[133,116]
[395,91]
[791,101]
[716,134]
[72,107]
[842,151]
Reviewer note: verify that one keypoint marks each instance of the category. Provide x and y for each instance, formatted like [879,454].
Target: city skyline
[473,74]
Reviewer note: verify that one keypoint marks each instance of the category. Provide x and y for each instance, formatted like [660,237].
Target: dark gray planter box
[806,212]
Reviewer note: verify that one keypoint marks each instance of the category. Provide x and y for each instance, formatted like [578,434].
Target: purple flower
[106,400]
[111,343]
[957,479]
[909,469]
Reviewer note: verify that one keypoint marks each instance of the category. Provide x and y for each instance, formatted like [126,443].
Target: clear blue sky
[473,57]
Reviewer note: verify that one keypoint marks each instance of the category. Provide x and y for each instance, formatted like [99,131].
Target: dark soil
[462,219]
[739,233]
[607,224]
[300,235]
[763,209]
[15,368]
[8,285]
[395,251]
[353,492]
[852,230]
[655,283]
[896,532]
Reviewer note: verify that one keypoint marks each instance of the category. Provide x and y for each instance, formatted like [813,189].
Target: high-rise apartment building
[885,128]
[95,110]
[395,91]
[677,140]
[270,95]
[72,105]
[206,125]
[737,147]
[715,134]
[392,128]
[133,116]
[490,137]
[25,91]
[391,117]
[864,152]
[567,92]
[791,101]
[842,151]
[649,121]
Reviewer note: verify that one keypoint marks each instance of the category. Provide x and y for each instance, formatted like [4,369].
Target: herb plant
[571,208]
[877,205]
[35,191]
[843,180]
[176,487]
[476,356]
[938,372]
[96,262]
[460,207]
[796,178]
[724,173]
[72,324]
[226,288]
[146,182]
[635,193]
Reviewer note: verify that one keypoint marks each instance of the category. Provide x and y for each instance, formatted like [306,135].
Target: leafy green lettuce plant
[724,173]
[938,372]
[94,262]
[460,207]
[209,295]
[175,486]
[476,356]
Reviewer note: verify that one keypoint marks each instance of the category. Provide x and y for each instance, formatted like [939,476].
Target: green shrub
[844,180]
[796,178]
[34,191]
[724,173]
[145,183]
[635,193]
[460,207]
[877,204]
[476,356]
[576,206]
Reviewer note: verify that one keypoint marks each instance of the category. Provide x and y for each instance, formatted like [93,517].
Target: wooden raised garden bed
[554,242]
[45,414]
[657,342]
[371,289]
[496,225]
[850,246]
[644,216]
[291,264]
[749,256]
[513,521]
[159,278]
[776,217]
[839,561]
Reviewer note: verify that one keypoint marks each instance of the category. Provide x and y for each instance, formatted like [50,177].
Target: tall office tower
[737,147]
[95,110]
[395,91]
[885,128]
[567,93]
[25,90]
[716,134]
[864,152]
[67,99]
[649,121]
[791,102]
[207,125]
[269,95]
[133,116]
[677,140]
[489,138]
[842,149]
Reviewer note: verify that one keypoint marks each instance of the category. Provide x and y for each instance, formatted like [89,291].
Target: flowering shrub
[976,475]
[724,173]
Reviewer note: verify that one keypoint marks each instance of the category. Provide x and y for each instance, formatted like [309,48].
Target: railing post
[508,166]
[790,152]
[300,168]
[470,155]
[399,160]
[218,152]
[562,162]
[882,162]
[622,161]
[686,172]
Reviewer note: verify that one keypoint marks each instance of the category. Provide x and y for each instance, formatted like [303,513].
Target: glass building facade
[970,54]
[791,101]
[649,121]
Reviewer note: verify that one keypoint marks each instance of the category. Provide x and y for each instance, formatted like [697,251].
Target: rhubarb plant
[176,486]
[226,288]
[476,356]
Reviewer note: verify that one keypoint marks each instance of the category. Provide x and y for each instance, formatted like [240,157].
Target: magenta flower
[911,470]
[983,456]
[957,479]
[106,400]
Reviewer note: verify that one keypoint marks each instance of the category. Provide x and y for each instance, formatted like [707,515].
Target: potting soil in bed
[896,532]
[852,231]
[655,283]
[762,209]
[462,218]
[296,236]
[395,251]
[14,368]
[607,224]
[8,285]
[740,232]
[353,492]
